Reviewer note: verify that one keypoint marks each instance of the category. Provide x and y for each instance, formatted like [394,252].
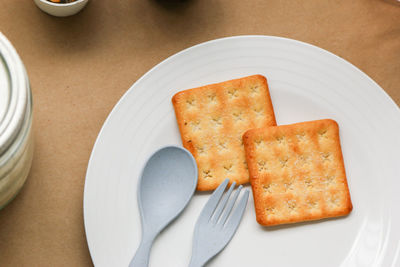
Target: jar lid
[4,90]
[13,93]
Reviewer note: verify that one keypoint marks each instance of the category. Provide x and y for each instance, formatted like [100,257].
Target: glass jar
[16,144]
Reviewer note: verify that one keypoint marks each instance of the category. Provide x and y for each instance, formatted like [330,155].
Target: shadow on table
[174,4]
[143,24]
[180,20]
[75,33]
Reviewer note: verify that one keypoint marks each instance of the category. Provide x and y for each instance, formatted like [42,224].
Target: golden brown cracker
[297,172]
[211,122]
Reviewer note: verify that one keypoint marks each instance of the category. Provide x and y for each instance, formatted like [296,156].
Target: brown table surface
[80,66]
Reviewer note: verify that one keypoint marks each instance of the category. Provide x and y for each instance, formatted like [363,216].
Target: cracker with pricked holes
[212,120]
[297,172]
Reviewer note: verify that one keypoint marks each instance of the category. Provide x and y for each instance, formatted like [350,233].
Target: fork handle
[196,262]
[141,258]
[195,265]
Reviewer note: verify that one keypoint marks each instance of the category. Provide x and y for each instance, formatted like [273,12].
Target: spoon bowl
[167,184]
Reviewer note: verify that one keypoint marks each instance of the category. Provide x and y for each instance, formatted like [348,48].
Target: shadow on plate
[300,224]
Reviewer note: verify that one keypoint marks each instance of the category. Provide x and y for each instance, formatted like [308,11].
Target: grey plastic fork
[217,223]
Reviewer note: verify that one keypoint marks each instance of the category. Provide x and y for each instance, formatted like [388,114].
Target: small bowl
[61,10]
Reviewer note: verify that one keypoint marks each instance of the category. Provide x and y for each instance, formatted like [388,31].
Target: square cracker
[212,120]
[297,172]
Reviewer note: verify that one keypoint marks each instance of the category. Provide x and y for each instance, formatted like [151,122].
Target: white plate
[306,83]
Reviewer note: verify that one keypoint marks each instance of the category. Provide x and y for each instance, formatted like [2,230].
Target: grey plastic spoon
[166,186]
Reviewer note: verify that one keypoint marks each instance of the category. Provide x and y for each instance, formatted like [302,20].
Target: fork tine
[212,203]
[237,214]
[230,206]
[222,203]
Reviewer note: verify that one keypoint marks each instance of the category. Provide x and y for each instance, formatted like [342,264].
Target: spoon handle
[141,258]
